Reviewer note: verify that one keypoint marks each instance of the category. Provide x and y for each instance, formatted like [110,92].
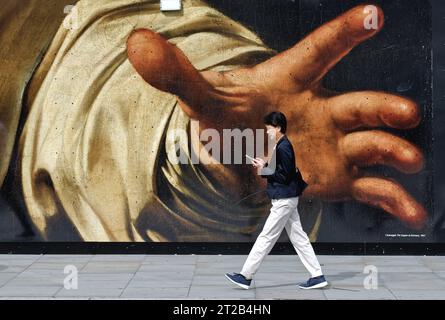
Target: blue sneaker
[239,280]
[314,283]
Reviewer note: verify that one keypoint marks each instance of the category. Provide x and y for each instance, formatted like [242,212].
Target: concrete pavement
[202,277]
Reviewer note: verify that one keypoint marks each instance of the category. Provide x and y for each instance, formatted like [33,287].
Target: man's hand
[258,163]
[328,130]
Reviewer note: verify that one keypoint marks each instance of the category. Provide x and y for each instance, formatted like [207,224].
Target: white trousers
[283,214]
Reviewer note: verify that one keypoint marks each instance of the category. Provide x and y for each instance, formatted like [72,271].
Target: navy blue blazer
[284,180]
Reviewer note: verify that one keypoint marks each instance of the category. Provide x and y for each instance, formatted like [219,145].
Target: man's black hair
[276,119]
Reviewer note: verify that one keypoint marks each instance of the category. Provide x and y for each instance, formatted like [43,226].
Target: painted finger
[369,148]
[374,109]
[391,197]
[310,59]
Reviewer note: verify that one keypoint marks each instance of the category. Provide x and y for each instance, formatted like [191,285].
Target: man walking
[284,186]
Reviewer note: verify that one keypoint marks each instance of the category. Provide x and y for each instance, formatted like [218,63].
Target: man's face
[272,132]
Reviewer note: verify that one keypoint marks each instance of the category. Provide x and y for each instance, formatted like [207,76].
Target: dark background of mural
[397,60]
[439,116]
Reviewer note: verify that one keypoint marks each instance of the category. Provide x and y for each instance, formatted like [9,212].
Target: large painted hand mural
[323,125]
[91,160]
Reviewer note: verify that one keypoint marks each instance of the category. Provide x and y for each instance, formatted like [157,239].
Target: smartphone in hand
[250,158]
